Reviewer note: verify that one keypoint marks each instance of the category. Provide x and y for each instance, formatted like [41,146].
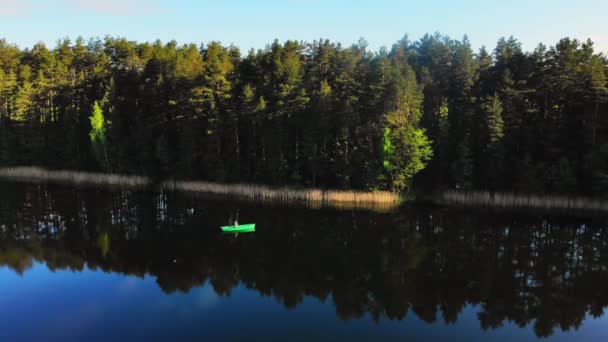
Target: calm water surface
[99,264]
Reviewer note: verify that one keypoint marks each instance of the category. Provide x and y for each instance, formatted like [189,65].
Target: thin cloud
[20,8]
[115,7]
[15,8]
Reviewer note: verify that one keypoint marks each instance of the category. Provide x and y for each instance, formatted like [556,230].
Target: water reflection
[546,273]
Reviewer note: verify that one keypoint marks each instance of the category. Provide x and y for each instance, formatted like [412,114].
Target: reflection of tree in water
[527,270]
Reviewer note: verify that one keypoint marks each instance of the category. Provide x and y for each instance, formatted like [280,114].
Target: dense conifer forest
[429,114]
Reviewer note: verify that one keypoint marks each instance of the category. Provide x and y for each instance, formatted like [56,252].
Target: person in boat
[236,223]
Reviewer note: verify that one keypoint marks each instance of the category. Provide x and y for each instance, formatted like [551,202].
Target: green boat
[241,228]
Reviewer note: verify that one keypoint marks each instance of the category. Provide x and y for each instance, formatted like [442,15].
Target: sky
[256,23]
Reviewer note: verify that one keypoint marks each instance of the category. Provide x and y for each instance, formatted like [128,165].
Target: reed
[510,200]
[39,175]
[381,200]
[338,199]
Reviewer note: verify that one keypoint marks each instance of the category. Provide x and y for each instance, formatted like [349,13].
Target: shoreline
[381,200]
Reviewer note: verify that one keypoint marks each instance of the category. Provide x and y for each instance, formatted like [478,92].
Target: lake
[83,264]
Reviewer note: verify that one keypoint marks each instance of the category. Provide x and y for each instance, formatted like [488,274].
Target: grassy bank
[381,200]
[509,200]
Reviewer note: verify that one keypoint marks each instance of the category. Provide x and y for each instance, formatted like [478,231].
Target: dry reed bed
[507,200]
[38,175]
[338,199]
[282,194]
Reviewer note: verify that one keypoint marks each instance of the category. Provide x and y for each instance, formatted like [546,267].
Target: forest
[425,115]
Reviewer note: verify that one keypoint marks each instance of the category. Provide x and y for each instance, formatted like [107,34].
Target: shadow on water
[538,271]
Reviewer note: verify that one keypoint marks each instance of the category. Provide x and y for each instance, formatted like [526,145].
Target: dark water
[93,264]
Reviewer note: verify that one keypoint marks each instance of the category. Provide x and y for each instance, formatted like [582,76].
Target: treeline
[314,114]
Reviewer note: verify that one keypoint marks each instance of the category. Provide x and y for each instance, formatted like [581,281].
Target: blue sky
[254,23]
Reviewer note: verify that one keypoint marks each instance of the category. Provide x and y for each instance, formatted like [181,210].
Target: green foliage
[314,114]
[405,153]
[405,147]
[98,131]
[495,126]
[98,134]
[325,89]
[418,151]
[388,151]
[189,64]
